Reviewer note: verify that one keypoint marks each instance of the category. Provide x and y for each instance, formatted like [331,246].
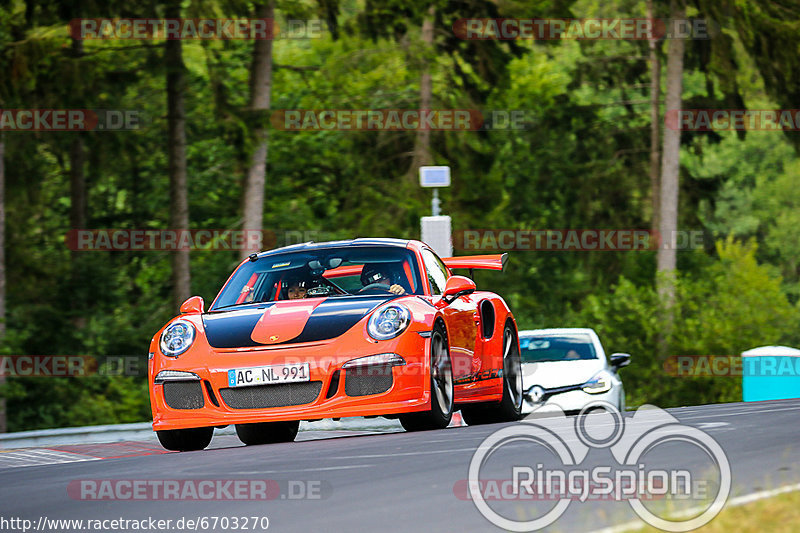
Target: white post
[436,230]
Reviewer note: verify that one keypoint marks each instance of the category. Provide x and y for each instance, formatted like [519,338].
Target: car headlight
[388,322]
[599,384]
[177,338]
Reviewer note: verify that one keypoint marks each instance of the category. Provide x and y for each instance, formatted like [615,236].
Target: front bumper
[571,401]
[331,392]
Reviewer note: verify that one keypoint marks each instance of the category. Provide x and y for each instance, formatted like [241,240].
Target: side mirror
[618,360]
[457,286]
[194,304]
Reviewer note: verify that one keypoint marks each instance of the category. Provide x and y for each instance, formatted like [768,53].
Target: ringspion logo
[547,457]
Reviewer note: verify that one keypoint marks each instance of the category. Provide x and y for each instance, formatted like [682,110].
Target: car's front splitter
[331,391]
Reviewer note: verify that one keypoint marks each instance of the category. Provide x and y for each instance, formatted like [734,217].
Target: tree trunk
[422,144]
[78,204]
[260,97]
[670,167]
[77,221]
[176,148]
[77,157]
[655,122]
[3,426]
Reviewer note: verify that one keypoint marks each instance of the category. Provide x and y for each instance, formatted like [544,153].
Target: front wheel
[442,392]
[267,432]
[185,440]
[509,409]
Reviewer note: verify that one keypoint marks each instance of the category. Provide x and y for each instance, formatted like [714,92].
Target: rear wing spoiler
[481,262]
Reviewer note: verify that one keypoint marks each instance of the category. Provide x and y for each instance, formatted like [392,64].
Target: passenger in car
[297,290]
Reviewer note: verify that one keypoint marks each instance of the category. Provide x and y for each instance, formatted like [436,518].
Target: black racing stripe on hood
[334,316]
[232,329]
[330,319]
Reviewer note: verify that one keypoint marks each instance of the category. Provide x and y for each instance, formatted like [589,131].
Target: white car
[568,368]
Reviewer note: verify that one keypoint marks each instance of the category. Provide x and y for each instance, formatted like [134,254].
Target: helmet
[377,272]
[295,278]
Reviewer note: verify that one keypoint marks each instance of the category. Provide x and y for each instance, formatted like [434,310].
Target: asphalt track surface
[382,482]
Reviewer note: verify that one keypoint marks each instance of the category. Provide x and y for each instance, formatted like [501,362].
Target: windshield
[570,347]
[345,271]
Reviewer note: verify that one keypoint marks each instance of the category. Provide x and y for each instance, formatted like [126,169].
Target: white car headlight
[177,338]
[388,322]
[599,384]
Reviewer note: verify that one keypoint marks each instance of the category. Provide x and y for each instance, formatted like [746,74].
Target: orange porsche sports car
[325,330]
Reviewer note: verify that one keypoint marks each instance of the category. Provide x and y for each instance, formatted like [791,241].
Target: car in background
[366,327]
[568,368]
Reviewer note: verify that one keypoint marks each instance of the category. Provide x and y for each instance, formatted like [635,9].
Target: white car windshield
[570,347]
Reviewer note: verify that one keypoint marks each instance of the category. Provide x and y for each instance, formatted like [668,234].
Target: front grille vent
[183,394]
[264,396]
[373,379]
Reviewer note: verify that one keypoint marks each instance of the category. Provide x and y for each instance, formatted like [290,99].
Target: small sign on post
[434,176]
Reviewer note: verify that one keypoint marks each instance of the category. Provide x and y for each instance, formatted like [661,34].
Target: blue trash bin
[770,373]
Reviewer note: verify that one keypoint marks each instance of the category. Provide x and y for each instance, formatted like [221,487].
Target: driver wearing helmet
[379,276]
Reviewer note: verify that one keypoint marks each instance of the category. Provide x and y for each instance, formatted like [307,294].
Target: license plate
[268,375]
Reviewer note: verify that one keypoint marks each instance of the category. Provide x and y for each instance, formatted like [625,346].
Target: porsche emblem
[273,338]
[536,393]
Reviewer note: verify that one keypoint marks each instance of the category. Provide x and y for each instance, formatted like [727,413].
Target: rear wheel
[267,432]
[185,440]
[442,393]
[509,408]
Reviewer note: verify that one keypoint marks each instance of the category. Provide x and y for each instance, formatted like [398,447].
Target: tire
[509,409]
[267,432]
[442,391]
[185,440]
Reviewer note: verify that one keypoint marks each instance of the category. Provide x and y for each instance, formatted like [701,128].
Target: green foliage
[723,309]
